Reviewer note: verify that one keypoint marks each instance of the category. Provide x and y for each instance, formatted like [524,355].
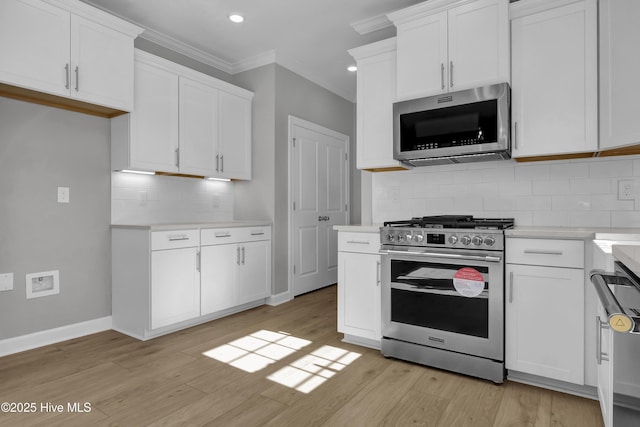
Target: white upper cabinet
[446,45]
[69,49]
[184,122]
[376,92]
[554,77]
[619,71]
[234,136]
[198,128]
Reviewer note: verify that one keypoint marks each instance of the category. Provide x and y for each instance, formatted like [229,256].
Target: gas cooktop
[454,221]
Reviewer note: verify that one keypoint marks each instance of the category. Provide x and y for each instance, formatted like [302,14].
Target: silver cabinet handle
[217,163]
[600,355]
[66,72]
[515,135]
[218,235]
[450,73]
[378,273]
[542,252]
[257,233]
[442,74]
[222,163]
[243,254]
[77,79]
[510,287]
[198,261]
[238,255]
[177,157]
[178,238]
[359,242]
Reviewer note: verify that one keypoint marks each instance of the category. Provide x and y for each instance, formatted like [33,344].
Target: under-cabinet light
[138,172]
[219,179]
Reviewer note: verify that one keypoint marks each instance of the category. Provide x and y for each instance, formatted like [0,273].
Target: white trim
[293,121]
[369,25]
[52,336]
[265,58]
[278,299]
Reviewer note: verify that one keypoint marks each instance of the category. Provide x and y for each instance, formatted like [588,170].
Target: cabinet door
[478,44]
[619,71]
[544,317]
[34,46]
[154,122]
[219,265]
[254,272]
[605,367]
[175,286]
[234,136]
[376,94]
[554,81]
[198,128]
[101,65]
[422,57]
[359,295]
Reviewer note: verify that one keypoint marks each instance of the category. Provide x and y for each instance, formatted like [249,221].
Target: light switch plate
[63,194]
[6,281]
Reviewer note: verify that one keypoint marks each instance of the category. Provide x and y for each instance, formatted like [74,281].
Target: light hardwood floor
[169,381]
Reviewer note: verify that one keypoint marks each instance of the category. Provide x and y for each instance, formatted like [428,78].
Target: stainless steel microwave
[458,127]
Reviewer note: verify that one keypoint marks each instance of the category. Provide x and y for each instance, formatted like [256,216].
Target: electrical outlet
[625,189]
[6,281]
[143,197]
[63,194]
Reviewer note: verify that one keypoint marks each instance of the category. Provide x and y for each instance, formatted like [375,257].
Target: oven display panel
[436,239]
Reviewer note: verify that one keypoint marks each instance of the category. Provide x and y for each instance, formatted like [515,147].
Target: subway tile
[610,168]
[500,203]
[440,205]
[485,188]
[467,176]
[500,175]
[549,188]
[532,172]
[610,202]
[625,219]
[571,203]
[550,219]
[468,204]
[453,190]
[565,170]
[590,219]
[590,186]
[518,188]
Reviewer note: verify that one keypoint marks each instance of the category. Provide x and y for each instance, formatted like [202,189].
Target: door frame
[293,121]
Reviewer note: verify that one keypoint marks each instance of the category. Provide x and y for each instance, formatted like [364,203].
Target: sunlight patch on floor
[258,350]
[310,371]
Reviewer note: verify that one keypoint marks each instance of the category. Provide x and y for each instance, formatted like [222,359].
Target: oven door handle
[617,318]
[487,258]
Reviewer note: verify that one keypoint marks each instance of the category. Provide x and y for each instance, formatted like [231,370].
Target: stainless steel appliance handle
[542,252]
[618,320]
[488,258]
[600,355]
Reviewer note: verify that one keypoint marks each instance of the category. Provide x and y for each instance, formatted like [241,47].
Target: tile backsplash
[578,193]
[143,199]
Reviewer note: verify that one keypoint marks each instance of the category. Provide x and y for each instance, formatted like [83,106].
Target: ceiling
[309,37]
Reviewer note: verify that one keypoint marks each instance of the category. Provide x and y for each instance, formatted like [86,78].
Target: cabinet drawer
[174,239]
[551,253]
[253,234]
[359,242]
[220,236]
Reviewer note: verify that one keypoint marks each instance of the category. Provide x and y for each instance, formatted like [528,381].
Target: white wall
[577,193]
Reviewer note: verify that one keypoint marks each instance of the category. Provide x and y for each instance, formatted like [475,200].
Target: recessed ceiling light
[236,17]
[352,68]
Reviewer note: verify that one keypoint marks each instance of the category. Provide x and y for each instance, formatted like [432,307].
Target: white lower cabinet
[544,308]
[175,286]
[234,273]
[359,317]
[164,281]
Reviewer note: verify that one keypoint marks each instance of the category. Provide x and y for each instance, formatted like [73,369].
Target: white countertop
[192,225]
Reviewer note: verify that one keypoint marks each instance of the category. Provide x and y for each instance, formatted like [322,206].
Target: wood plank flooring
[296,372]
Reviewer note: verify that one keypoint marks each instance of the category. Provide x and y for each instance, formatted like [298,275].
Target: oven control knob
[476,240]
[409,237]
[453,239]
[419,238]
[489,240]
[391,237]
[400,237]
[465,240]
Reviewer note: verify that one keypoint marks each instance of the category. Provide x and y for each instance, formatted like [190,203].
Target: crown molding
[265,58]
[372,24]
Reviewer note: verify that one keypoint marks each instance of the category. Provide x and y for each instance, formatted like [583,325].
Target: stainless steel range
[443,293]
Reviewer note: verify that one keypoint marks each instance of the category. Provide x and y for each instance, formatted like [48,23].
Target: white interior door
[319,191]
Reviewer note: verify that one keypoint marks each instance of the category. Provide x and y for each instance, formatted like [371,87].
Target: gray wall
[42,148]
[280,93]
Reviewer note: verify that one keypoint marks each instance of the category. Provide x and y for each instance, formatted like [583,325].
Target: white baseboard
[278,299]
[52,336]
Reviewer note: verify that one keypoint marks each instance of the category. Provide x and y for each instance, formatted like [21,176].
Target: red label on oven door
[468,282]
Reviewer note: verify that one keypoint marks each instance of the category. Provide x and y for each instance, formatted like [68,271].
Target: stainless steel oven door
[447,299]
